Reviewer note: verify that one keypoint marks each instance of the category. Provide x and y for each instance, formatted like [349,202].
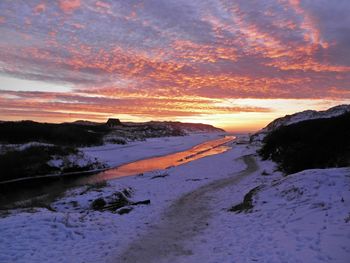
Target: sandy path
[186,217]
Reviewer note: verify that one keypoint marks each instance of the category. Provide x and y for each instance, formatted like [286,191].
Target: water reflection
[159,163]
[52,186]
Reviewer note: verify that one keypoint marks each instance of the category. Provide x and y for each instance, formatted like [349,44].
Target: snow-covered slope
[300,218]
[299,117]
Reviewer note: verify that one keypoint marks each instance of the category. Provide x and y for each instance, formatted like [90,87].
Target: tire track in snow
[187,217]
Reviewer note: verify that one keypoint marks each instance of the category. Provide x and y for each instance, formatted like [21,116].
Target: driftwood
[117,205]
[144,202]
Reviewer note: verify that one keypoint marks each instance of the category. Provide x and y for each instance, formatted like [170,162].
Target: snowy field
[300,218]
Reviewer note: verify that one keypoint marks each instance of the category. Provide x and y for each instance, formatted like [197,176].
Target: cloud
[68,6]
[147,53]
[150,106]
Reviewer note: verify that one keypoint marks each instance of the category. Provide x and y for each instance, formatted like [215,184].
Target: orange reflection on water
[159,163]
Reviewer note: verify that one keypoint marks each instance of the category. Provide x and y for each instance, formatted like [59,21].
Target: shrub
[31,161]
[319,143]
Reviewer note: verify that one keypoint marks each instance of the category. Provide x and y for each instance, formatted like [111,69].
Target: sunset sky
[236,64]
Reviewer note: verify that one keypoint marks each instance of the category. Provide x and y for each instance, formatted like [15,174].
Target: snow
[75,160]
[313,224]
[299,218]
[115,155]
[308,115]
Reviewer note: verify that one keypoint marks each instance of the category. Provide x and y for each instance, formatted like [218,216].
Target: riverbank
[21,192]
[53,149]
[292,219]
[114,155]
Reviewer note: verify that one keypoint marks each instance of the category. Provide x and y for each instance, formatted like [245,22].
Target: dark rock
[264,173]
[127,192]
[124,210]
[247,203]
[119,201]
[98,204]
[74,203]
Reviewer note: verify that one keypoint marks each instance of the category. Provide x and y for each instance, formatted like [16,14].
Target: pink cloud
[143,56]
[78,26]
[68,6]
[102,4]
[103,7]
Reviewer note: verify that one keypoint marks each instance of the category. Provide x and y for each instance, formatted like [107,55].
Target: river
[53,186]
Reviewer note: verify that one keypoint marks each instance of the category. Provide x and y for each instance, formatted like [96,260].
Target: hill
[309,144]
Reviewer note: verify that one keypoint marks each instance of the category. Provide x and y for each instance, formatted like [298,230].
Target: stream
[53,186]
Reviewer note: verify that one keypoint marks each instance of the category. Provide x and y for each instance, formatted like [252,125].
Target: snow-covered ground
[300,218]
[304,217]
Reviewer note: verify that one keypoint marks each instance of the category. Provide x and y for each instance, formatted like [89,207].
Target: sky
[236,64]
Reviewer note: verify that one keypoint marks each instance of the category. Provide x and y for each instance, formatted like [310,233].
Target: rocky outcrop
[113,122]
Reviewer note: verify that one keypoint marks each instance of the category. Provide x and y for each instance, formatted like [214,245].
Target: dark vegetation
[59,134]
[83,133]
[78,135]
[320,143]
[31,161]
[247,203]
